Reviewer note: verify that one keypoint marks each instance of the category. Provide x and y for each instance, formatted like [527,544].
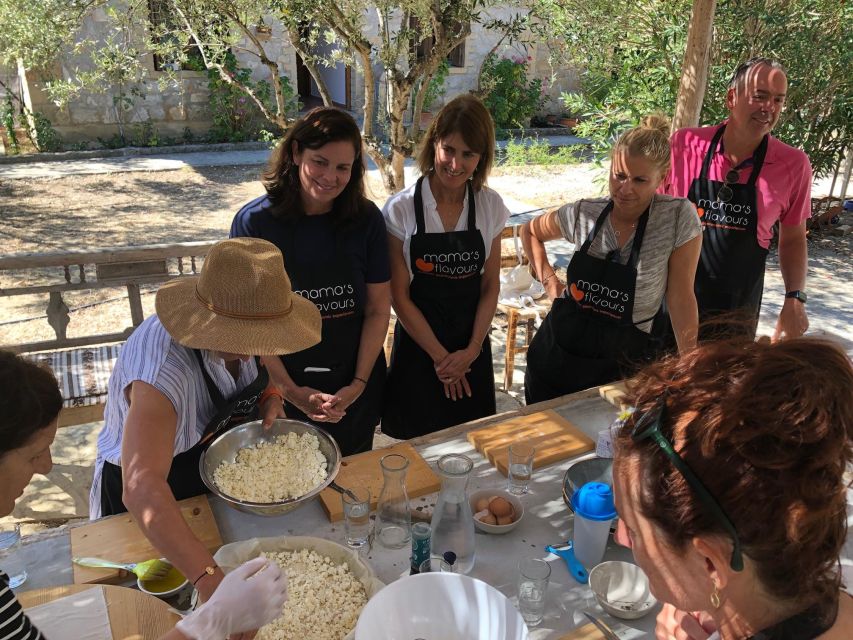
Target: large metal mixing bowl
[225,447]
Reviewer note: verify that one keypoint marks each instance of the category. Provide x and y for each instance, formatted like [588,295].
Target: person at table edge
[186,375]
[249,597]
[444,239]
[742,181]
[335,249]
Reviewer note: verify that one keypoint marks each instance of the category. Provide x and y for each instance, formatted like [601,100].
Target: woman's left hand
[271,410]
[346,396]
[455,365]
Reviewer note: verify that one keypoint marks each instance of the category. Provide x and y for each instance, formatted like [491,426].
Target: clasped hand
[451,371]
[318,406]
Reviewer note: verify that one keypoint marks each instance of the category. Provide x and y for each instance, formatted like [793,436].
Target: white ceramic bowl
[148,585]
[496,528]
[449,606]
[622,589]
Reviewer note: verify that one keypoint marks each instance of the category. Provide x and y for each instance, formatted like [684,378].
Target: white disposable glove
[247,598]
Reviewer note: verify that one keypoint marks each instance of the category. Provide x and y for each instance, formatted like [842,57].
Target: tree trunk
[694,72]
[309,63]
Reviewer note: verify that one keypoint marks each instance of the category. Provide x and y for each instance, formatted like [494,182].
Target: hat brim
[193,325]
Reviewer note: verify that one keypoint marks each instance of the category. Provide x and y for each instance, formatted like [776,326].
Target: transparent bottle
[452,520]
[393,518]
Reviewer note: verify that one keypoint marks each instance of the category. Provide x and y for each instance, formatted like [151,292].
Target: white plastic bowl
[449,606]
[496,528]
[145,586]
[622,589]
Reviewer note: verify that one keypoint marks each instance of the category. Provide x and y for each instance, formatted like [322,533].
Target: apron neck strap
[757,157]
[636,243]
[420,226]
[215,394]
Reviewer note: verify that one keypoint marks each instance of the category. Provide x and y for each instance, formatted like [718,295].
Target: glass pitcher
[393,518]
[452,519]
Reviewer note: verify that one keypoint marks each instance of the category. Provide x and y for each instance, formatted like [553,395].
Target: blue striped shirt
[152,356]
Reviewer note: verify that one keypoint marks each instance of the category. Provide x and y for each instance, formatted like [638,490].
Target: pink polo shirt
[784,183]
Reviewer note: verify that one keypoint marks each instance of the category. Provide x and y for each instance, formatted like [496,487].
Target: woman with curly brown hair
[335,250]
[730,488]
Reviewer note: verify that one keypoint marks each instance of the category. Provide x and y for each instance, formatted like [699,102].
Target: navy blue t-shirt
[315,237]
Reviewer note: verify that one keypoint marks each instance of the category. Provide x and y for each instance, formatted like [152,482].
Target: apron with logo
[184,477]
[589,337]
[339,291]
[446,289]
[730,275]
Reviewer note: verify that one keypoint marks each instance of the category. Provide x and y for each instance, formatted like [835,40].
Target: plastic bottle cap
[594,501]
[449,557]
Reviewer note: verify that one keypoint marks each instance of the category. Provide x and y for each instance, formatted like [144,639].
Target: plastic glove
[246,599]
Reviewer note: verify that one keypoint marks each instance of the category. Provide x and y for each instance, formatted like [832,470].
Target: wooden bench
[82,364]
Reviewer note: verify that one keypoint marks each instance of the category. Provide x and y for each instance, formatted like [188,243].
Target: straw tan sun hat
[241,303]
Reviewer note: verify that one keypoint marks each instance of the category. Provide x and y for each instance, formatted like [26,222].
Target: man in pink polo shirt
[742,180]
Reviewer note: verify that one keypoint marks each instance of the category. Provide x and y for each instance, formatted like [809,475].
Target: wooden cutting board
[586,632]
[554,437]
[119,538]
[133,615]
[615,393]
[363,470]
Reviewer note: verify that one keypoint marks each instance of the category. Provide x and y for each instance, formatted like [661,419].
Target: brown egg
[486,517]
[482,504]
[505,520]
[501,507]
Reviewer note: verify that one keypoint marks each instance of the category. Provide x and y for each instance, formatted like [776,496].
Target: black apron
[446,269]
[338,290]
[589,337]
[730,275]
[184,477]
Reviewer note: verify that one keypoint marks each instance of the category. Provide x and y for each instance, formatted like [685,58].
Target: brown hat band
[243,316]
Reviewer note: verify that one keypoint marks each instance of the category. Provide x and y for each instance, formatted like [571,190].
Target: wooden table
[133,615]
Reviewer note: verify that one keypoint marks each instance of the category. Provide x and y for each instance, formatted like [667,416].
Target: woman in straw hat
[336,252]
[29,408]
[185,375]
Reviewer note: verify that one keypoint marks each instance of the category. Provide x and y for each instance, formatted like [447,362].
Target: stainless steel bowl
[583,471]
[225,447]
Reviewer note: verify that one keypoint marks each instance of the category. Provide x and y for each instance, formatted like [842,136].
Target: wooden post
[694,71]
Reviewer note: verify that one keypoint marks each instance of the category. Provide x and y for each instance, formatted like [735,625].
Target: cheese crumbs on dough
[324,598]
[288,467]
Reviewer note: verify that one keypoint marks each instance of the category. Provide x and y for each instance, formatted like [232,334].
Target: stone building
[182,109]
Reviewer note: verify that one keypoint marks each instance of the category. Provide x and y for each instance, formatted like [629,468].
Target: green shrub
[509,95]
[527,151]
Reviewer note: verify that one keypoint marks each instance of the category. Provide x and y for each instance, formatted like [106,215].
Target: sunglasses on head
[648,427]
[725,193]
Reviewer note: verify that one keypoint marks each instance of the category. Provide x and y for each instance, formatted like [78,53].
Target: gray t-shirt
[672,222]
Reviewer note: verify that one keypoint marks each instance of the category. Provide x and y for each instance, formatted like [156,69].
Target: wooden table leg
[511,328]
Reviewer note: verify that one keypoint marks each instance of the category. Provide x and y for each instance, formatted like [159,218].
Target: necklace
[619,233]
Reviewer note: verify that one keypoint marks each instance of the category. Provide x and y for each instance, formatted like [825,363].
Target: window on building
[456,57]
[163,18]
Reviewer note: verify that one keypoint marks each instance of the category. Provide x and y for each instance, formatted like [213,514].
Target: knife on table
[602,626]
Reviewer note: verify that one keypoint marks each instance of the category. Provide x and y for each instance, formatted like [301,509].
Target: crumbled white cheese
[289,467]
[324,598]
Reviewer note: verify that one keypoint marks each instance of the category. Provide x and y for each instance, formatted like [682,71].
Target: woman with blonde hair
[633,249]
[444,239]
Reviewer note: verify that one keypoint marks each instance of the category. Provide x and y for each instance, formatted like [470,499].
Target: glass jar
[393,518]
[452,519]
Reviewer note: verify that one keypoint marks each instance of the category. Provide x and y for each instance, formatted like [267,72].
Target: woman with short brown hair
[730,487]
[444,239]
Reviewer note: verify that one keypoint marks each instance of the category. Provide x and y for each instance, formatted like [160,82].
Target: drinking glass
[356,505]
[533,575]
[10,555]
[520,467]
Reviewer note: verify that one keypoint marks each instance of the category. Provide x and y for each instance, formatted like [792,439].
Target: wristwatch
[799,295]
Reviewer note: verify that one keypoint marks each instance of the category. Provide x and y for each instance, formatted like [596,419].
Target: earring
[715,597]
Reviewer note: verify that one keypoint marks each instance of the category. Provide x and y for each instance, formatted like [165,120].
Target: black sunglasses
[725,193]
[648,426]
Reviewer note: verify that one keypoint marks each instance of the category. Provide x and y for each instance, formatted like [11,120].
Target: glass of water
[10,555]
[533,575]
[356,505]
[520,467]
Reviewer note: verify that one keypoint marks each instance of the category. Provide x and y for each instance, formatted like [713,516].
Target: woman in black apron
[445,290]
[598,328]
[334,246]
[185,376]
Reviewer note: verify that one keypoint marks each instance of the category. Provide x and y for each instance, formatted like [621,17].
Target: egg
[482,504]
[501,507]
[504,520]
[486,517]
